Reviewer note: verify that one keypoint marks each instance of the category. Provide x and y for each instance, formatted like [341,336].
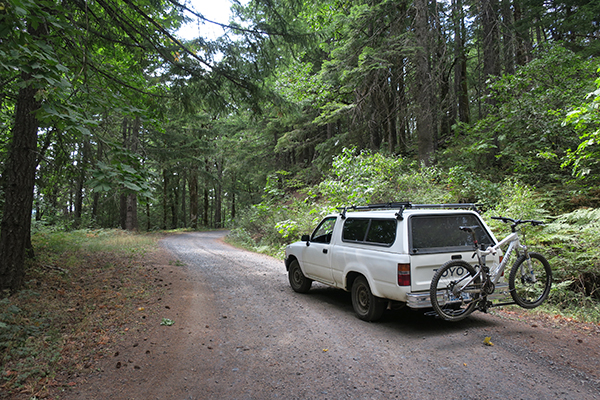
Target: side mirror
[306,238]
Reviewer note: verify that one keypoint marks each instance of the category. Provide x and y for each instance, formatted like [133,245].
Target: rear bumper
[423,300]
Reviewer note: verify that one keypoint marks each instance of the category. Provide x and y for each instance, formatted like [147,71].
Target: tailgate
[423,266]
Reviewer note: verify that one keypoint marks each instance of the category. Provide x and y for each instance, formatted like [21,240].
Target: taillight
[403,274]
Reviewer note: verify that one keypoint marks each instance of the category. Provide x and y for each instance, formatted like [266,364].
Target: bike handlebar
[516,222]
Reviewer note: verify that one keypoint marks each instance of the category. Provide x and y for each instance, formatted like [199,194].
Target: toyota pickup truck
[385,255]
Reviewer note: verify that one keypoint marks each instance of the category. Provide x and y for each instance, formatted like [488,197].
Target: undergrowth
[79,291]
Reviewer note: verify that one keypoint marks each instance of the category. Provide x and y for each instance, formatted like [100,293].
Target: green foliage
[299,83]
[275,186]
[518,200]
[585,119]
[524,135]
[470,187]
[268,228]
[575,239]
[358,179]
[124,171]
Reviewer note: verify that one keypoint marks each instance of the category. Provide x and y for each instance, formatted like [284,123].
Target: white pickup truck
[384,254]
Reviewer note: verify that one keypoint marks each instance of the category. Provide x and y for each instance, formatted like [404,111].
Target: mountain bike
[458,288]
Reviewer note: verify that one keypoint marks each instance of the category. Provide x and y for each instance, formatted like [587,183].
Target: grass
[80,294]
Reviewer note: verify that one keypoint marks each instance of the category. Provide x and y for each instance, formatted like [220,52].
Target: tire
[441,291]
[527,290]
[298,281]
[366,306]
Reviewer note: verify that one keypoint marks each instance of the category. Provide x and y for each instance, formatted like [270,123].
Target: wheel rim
[362,297]
[297,277]
[529,291]
[448,302]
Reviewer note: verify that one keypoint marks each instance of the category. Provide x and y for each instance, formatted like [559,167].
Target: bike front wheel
[530,280]
[454,290]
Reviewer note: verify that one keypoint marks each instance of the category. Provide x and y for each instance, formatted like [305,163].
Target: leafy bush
[585,119]
[268,228]
[468,187]
[358,179]
[524,135]
[517,200]
[574,240]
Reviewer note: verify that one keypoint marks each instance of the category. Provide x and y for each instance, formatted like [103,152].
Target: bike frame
[496,272]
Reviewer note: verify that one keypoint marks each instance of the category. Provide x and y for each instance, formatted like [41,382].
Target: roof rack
[401,206]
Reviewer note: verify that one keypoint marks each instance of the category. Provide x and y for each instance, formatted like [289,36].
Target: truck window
[382,231]
[323,232]
[370,231]
[355,229]
[441,233]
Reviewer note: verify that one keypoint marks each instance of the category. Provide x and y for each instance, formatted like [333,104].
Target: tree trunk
[148,225]
[129,218]
[233,210]
[425,128]
[165,198]
[206,207]
[491,47]
[402,107]
[96,195]
[193,185]
[81,182]
[123,211]
[79,199]
[174,197]
[19,177]
[205,213]
[131,223]
[219,195]
[523,42]
[460,73]
[183,199]
[508,35]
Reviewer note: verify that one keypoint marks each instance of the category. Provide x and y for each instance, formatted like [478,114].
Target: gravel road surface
[240,332]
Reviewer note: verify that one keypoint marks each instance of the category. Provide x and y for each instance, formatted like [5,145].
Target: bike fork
[527,269]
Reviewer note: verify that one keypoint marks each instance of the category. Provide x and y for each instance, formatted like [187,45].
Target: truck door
[317,255]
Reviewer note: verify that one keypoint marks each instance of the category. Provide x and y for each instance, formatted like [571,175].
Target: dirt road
[240,332]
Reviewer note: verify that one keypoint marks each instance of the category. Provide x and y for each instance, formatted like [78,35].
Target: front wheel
[530,280]
[454,291]
[367,306]
[298,281]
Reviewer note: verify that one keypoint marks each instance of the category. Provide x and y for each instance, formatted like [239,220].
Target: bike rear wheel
[447,300]
[530,280]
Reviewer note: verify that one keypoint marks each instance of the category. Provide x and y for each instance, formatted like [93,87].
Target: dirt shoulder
[148,346]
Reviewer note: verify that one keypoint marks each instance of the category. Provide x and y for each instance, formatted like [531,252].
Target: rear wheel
[367,306]
[298,281]
[449,299]
[530,280]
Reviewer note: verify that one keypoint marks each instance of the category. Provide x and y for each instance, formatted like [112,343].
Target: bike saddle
[469,229]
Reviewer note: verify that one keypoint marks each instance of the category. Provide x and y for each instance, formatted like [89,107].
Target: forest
[109,119]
